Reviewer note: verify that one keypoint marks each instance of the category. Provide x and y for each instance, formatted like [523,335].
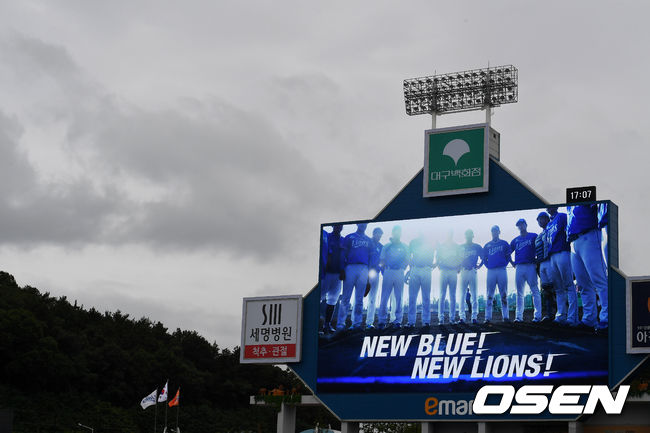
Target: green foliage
[640,381]
[278,399]
[392,427]
[61,365]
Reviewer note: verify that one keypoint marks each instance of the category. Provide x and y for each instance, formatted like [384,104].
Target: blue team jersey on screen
[496,254]
[334,250]
[603,215]
[357,249]
[557,237]
[323,252]
[469,255]
[449,256]
[374,259]
[395,254]
[541,247]
[524,248]
[421,252]
[581,219]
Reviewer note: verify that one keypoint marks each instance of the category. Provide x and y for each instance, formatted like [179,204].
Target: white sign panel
[271,330]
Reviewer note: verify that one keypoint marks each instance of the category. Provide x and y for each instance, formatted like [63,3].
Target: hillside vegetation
[61,364]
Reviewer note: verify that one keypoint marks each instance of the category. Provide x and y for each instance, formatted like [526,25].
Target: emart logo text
[433,406]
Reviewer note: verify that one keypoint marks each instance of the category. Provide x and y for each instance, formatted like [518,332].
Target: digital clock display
[580,194]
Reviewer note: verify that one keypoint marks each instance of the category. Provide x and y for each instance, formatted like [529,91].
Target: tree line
[61,364]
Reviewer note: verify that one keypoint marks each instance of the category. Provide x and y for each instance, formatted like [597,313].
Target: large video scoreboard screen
[449,304]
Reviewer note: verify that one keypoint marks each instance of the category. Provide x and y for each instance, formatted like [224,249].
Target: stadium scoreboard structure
[434,372]
[419,361]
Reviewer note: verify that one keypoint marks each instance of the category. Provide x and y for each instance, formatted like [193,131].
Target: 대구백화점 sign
[456,160]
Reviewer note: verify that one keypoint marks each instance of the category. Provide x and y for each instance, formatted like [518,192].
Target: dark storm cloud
[225,178]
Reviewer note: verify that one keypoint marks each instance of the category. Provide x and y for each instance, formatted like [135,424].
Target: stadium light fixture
[476,89]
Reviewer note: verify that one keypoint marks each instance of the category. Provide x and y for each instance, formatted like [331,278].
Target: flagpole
[178,408]
[166,404]
[155,417]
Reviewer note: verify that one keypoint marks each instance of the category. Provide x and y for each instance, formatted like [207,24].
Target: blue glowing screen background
[409,311]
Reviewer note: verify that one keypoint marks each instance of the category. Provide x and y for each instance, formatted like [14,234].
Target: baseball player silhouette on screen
[542,247]
[422,254]
[561,271]
[470,254]
[356,256]
[331,283]
[588,263]
[523,246]
[603,222]
[496,256]
[448,261]
[373,277]
[394,260]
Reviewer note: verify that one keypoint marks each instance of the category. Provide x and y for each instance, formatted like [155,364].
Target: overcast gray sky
[170,158]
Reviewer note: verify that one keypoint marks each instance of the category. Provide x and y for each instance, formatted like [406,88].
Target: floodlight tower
[477,89]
